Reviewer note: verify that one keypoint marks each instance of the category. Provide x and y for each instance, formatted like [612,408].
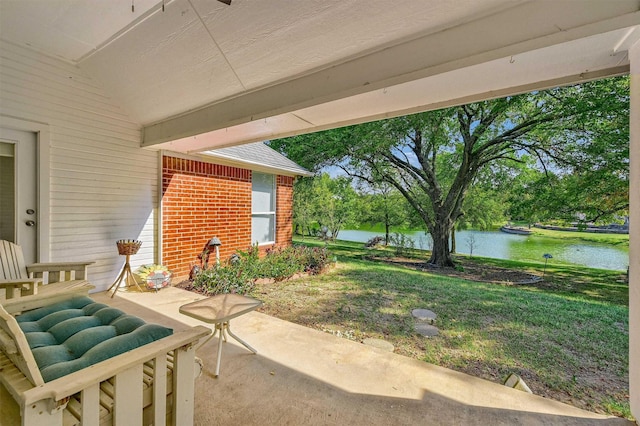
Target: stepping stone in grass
[424,315]
[427,330]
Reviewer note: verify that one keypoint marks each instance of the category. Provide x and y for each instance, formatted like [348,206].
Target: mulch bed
[467,269]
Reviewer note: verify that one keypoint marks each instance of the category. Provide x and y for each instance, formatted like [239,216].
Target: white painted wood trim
[128,397]
[39,414]
[44,178]
[183,389]
[160,390]
[634,234]
[159,251]
[90,398]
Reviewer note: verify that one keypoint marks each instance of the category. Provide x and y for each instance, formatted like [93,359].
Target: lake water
[501,245]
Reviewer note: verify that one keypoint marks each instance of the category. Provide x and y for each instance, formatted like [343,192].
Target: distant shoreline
[592,229]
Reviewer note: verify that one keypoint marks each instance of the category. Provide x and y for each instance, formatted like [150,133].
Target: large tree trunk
[440,255]
[386,230]
[453,239]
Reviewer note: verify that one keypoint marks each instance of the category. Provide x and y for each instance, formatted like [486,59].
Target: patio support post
[634,234]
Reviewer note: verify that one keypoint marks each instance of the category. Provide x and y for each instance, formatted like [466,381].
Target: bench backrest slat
[19,353]
[12,266]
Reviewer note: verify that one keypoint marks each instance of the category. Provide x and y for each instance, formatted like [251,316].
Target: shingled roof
[261,155]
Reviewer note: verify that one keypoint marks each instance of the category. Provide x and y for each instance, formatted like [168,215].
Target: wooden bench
[18,279]
[152,384]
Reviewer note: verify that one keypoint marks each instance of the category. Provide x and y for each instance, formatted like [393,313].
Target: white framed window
[263,208]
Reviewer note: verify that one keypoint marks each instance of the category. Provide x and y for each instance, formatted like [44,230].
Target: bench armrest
[59,271]
[18,281]
[61,388]
[57,266]
[13,288]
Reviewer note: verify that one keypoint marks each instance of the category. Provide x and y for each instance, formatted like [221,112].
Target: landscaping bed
[467,269]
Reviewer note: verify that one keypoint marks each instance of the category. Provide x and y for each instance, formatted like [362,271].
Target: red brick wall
[202,200]
[284,210]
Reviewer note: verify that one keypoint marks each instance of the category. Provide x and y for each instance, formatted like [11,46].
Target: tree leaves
[565,150]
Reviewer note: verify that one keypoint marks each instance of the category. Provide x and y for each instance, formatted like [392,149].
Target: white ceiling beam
[522,28]
[204,142]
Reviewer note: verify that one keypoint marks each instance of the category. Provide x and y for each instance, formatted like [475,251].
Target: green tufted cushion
[76,333]
[127,323]
[62,331]
[78,302]
[107,349]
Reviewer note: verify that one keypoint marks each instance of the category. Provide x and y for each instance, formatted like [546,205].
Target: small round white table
[219,310]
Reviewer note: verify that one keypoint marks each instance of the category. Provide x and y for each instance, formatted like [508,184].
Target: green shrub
[240,273]
[315,259]
[225,279]
[280,264]
[402,243]
[249,261]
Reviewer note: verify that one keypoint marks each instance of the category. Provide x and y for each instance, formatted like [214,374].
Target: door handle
[30,223]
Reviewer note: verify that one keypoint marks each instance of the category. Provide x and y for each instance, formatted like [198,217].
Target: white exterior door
[18,190]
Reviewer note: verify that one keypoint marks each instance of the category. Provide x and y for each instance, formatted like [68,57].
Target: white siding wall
[103,186]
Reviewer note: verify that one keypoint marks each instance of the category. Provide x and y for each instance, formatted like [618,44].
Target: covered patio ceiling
[201,74]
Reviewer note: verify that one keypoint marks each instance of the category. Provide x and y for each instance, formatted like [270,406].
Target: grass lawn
[568,338]
[621,240]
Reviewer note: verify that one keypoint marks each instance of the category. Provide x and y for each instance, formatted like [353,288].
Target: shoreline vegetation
[620,240]
[589,229]
[567,336]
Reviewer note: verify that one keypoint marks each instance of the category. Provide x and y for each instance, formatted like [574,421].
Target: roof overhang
[531,46]
[213,158]
[198,74]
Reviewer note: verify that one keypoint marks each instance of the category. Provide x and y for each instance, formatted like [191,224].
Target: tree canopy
[330,203]
[571,144]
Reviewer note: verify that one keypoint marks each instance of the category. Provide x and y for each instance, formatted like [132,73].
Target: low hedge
[240,273]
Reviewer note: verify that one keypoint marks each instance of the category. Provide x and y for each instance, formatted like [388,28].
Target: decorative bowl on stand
[158,280]
[155,276]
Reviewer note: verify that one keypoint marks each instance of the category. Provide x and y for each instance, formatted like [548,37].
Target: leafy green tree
[593,186]
[387,206]
[487,199]
[434,158]
[333,203]
[581,196]
[303,205]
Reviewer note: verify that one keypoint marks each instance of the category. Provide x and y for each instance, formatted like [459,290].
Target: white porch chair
[18,279]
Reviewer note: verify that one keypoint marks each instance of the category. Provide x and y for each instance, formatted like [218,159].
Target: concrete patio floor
[302,376]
